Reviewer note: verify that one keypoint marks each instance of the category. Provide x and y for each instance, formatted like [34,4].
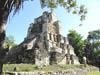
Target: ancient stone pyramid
[44,44]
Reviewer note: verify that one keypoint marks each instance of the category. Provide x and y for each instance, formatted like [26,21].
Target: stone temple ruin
[44,44]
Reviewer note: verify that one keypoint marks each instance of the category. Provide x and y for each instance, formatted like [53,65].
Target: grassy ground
[30,67]
[94,73]
[19,67]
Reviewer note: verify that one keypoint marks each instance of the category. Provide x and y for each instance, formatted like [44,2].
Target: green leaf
[61,1]
[52,5]
[74,12]
[73,4]
[64,4]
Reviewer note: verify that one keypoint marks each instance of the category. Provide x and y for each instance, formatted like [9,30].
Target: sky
[18,24]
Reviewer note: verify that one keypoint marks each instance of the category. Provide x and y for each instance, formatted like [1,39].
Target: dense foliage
[9,41]
[76,41]
[92,49]
[89,47]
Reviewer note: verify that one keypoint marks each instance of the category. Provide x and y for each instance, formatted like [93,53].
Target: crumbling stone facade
[45,44]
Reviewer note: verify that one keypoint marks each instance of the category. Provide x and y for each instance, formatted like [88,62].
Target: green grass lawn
[94,73]
[31,67]
[19,67]
[49,68]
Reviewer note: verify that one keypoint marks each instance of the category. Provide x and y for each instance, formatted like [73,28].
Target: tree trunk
[3,22]
[2,51]
[4,13]
[1,66]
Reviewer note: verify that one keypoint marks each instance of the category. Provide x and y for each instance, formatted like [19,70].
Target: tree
[9,41]
[69,5]
[7,6]
[77,43]
[92,49]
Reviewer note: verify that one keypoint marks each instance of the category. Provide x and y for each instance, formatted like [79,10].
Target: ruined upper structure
[44,43]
